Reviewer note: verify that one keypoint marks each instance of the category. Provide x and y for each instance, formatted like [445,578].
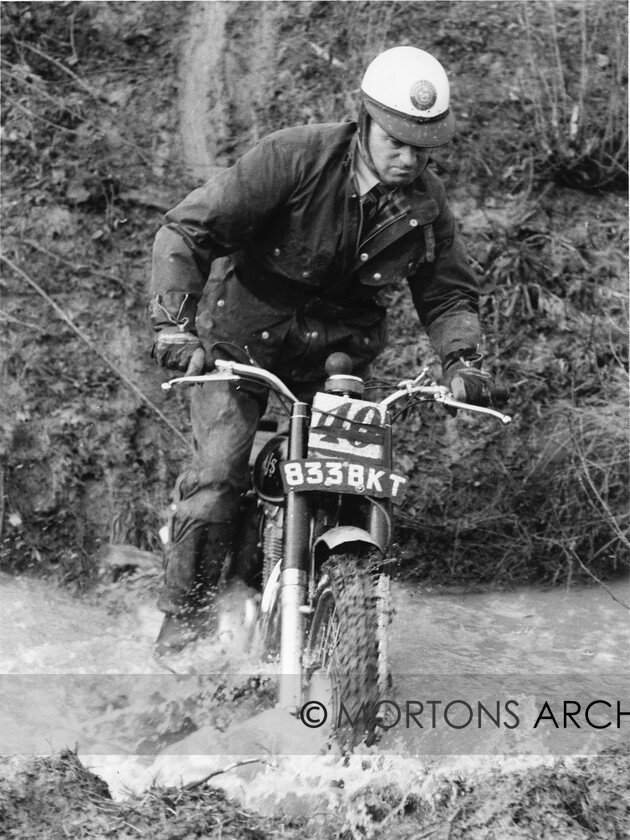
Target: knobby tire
[344,643]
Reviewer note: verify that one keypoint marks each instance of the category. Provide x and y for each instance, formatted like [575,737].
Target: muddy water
[528,656]
[76,674]
[582,629]
[46,639]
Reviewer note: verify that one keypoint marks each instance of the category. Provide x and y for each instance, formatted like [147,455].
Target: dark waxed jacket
[288,216]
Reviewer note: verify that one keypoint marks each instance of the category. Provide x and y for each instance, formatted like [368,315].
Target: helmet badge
[423,95]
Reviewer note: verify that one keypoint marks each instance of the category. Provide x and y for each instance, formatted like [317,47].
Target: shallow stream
[75,674]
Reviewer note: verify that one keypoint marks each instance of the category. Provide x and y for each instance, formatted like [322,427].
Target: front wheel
[345,665]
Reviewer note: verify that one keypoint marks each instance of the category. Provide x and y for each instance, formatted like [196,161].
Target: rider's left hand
[197,364]
[178,350]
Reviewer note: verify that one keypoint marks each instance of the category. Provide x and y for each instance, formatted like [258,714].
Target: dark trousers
[207,493]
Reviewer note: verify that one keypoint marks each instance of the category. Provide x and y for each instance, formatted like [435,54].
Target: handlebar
[229,371]
[234,371]
[440,394]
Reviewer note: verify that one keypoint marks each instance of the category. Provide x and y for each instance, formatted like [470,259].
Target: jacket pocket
[395,263]
[231,313]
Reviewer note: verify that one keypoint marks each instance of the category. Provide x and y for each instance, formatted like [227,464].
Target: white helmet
[405,90]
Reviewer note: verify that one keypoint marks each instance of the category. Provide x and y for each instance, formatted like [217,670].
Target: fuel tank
[267,478]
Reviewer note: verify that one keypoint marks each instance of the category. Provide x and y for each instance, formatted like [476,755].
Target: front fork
[294,577]
[295,564]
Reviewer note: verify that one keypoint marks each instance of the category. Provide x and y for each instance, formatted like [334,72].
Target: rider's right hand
[177,350]
[470,384]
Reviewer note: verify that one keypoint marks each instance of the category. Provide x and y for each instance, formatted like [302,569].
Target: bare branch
[199,782]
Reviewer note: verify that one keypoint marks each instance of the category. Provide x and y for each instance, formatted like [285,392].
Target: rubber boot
[193,568]
[176,632]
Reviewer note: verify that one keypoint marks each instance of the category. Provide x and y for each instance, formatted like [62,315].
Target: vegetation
[537,175]
[569,799]
[88,137]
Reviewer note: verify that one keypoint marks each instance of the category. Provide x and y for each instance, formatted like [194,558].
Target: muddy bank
[156,95]
[571,799]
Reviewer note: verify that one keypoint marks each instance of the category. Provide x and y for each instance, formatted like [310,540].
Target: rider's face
[396,163]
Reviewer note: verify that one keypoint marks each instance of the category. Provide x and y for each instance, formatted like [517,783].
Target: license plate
[343,477]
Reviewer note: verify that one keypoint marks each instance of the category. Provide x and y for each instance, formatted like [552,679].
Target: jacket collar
[365,178]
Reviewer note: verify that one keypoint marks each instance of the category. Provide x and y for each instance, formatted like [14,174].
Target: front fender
[331,540]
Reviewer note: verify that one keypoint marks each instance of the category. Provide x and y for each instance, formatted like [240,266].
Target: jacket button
[364,257]
[276,252]
[306,274]
[413,222]
[314,334]
[221,302]
[377,276]
[366,340]
[264,335]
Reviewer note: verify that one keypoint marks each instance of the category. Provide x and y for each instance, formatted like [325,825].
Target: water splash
[79,672]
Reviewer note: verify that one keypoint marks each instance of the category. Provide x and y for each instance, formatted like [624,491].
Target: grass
[577,61]
[583,459]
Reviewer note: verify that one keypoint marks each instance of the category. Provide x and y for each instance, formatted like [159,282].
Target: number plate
[347,428]
[343,477]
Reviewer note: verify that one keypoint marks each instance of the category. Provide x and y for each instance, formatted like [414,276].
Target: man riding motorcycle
[303,234]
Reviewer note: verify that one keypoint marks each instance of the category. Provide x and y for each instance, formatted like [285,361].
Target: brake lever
[408,384]
[443,396]
[202,377]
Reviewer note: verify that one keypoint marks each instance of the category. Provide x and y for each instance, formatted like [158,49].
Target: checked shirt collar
[380,204]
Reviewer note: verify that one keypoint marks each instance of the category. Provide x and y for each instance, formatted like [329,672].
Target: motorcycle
[324,494]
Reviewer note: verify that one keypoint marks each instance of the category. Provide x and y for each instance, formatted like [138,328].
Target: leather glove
[177,350]
[467,382]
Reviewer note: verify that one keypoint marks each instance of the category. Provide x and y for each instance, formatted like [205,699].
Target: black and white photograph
[314,427]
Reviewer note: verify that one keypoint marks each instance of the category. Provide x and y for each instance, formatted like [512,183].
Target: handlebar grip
[501,394]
